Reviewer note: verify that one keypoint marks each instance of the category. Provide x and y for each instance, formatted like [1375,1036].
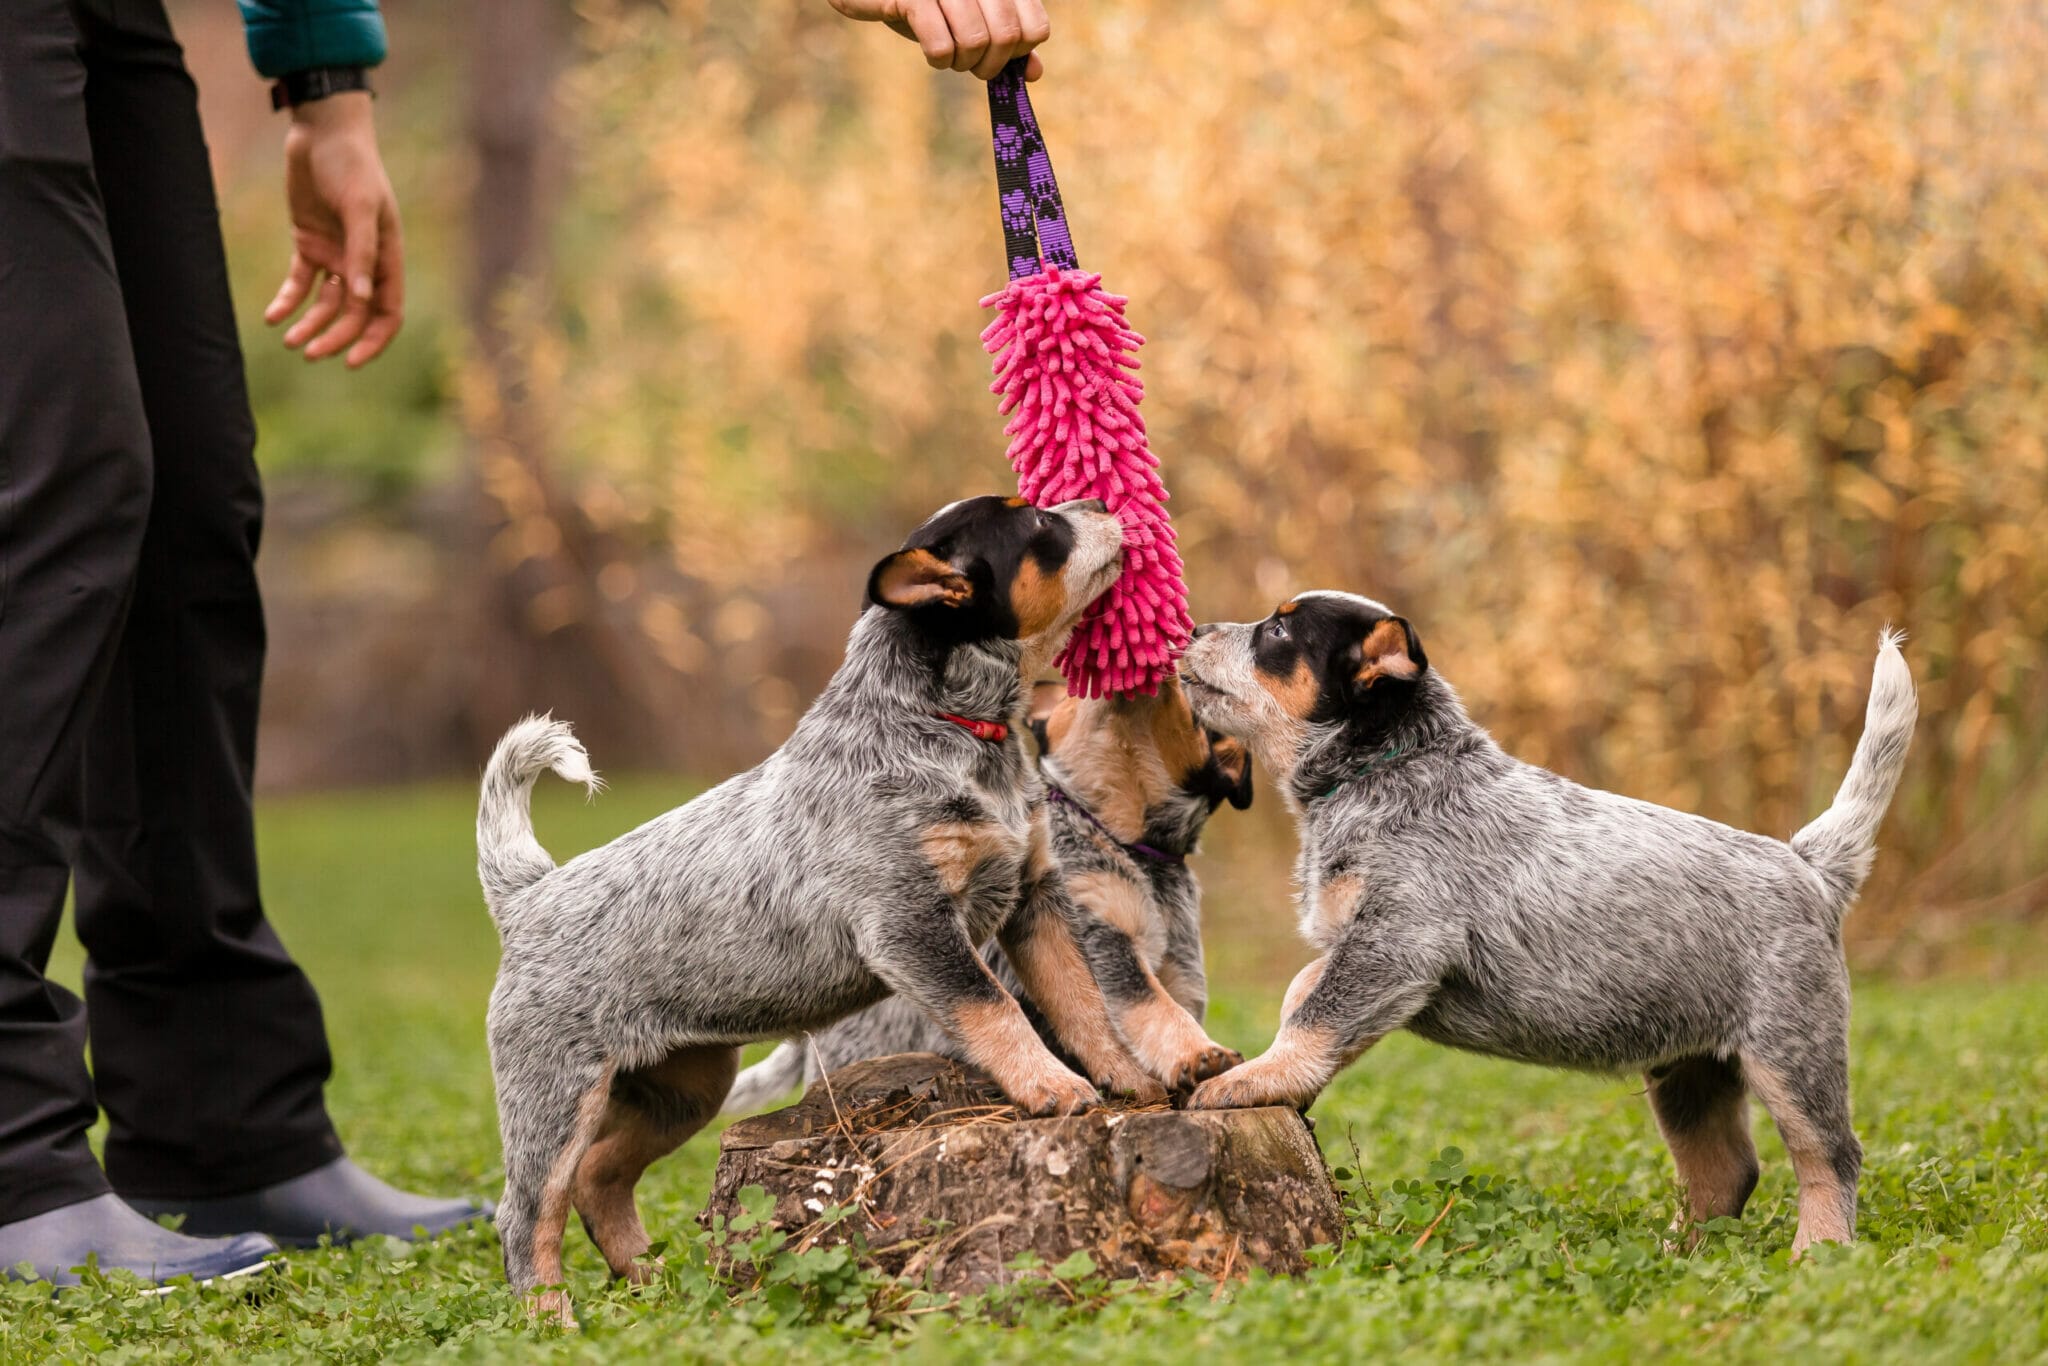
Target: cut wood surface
[950,1182]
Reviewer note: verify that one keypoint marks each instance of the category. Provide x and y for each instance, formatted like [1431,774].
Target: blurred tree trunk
[542,635]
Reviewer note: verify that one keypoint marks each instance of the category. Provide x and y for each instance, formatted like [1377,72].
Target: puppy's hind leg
[1703,1114]
[651,1112]
[1803,1080]
[552,1095]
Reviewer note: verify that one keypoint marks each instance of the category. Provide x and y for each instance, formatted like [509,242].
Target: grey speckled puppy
[900,827]
[1482,902]
[1138,779]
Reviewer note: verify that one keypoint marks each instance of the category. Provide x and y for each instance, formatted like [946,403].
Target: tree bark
[951,1184]
[540,632]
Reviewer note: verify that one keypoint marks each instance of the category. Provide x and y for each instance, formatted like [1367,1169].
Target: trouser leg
[207,1039]
[74,495]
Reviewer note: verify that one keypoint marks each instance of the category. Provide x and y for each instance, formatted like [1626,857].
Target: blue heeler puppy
[1131,782]
[900,827]
[1482,902]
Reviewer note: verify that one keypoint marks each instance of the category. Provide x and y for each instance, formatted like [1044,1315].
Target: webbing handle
[1034,219]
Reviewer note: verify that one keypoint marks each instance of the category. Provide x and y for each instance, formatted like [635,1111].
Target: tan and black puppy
[1131,783]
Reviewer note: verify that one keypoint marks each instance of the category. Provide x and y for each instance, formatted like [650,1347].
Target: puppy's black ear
[1230,766]
[918,578]
[1391,651]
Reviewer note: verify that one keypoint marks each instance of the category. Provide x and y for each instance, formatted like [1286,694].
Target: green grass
[1551,1249]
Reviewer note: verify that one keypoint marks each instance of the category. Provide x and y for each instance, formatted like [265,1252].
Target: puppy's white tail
[508,857]
[1842,841]
[772,1078]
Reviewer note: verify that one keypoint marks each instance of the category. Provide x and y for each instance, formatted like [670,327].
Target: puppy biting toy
[1064,368]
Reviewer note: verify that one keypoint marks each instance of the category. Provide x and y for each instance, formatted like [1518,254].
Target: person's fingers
[348,325]
[383,327]
[1034,67]
[1005,37]
[291,292]
[360,230]
[928,25]
[387,307]
[970,32]
[326,303]
[1037,24]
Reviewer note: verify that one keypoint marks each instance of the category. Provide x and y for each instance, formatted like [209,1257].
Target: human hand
[347,254]
[963,35]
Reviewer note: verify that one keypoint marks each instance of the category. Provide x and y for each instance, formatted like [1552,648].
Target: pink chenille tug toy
[1065,369]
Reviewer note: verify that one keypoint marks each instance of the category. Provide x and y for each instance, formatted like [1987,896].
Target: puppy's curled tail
[772,1078]
[1842,841]
[508,857]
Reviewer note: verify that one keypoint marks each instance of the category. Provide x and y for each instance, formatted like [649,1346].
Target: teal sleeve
[296,35]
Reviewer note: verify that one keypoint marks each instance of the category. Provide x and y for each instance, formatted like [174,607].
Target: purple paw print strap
[1034,220]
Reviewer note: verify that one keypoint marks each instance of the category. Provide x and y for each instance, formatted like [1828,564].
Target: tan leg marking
[630,1138]
[1292,1072]
[1056,977]
[553,1215]
[1038,859]
[1171,1043]
[1715,1156]
[957,848]
[1181,986]
[1122,903]
[1335,899]
[1002,1043]
[1168,1041]
[1826,1211]
[1297,990]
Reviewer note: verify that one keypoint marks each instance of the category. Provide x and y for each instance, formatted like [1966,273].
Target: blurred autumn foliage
[1651,356]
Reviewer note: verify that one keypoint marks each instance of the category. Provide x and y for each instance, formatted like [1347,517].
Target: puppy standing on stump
[1132,782]
[900,827]
[1487,904]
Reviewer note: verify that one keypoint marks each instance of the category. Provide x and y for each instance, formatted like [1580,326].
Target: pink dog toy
[1064,368]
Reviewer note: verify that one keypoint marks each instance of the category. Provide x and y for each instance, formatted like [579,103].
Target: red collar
[995,732]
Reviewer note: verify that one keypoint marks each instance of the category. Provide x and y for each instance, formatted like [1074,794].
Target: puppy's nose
[1206,628]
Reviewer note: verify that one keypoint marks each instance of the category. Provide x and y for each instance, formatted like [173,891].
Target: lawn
[1557,1186]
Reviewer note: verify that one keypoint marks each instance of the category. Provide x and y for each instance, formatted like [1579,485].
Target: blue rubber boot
[56,1243]
[340,1200]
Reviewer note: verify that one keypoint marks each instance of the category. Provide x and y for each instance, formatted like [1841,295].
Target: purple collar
[1054,792]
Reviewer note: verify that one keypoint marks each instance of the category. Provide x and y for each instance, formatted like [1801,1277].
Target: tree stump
[949,1182]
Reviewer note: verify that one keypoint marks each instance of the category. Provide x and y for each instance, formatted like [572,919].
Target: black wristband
[317,83]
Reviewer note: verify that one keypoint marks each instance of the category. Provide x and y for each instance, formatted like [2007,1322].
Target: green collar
[1368,766]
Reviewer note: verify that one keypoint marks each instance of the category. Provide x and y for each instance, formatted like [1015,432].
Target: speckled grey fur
[779,901]
[1484,903]
[1173,949]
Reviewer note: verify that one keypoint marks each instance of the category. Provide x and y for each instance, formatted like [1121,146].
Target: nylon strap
[1034,220]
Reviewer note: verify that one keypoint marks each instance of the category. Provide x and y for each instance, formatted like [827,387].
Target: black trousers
[131,645]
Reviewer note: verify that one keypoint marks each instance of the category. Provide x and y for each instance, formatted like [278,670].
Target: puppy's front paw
[1054,1092]
[1132,1085]
[1254,1083]
[1212,1059]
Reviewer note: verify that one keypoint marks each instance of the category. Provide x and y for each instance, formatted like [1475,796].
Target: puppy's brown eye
[1276,628]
